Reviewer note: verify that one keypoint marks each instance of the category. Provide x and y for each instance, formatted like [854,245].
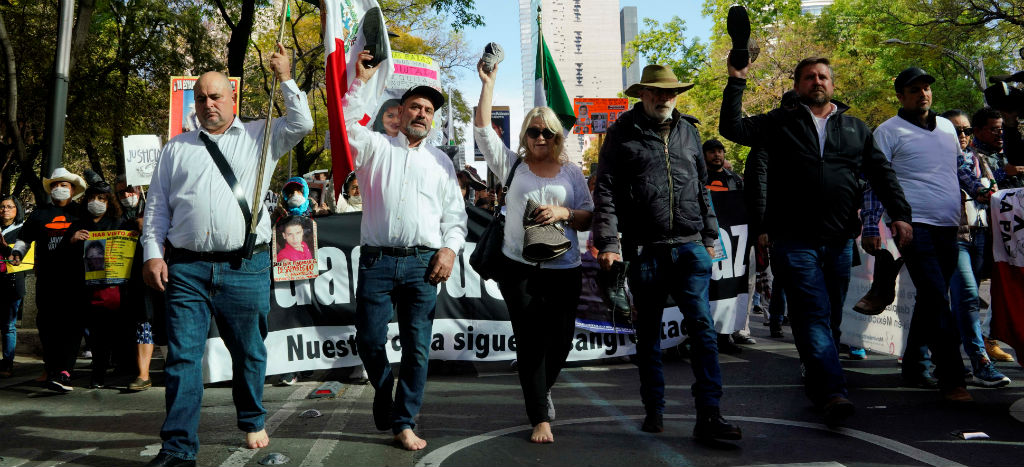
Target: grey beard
[418,134]
[355,200]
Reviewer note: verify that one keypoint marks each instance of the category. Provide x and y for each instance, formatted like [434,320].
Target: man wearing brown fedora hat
[651,179]
[816,153]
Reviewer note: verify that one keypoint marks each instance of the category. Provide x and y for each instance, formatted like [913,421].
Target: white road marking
[323,447]
[437,457]
[64,457]
[17,456]
[243,456]
[151,450]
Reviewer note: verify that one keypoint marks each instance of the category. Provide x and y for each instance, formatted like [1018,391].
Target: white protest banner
[140,155]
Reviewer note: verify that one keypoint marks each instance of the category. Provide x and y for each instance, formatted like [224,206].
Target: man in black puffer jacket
[650,187]
[815,156]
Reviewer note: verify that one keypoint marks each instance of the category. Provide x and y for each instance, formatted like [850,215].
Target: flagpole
[257,196]
[540,49]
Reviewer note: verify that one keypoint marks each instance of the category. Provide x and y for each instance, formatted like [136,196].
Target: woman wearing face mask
[542,297]
[350,199]
[12,285]
[56,267]
[100,211]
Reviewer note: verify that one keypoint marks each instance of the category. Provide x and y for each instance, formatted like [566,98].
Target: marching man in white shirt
[193,233]
[414,223]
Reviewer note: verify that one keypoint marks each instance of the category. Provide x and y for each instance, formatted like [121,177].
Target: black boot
[653,423]
[883,285]
[711,425]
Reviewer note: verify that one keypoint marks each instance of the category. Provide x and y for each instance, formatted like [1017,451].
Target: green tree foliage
[124,51]
[868,41]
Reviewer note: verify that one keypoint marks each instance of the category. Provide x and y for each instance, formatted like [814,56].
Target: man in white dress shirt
[414,223]
[194,230]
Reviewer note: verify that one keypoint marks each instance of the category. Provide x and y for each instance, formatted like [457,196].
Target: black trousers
[60,324]
[542,306]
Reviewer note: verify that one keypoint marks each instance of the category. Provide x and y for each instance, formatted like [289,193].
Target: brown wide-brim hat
[657,76]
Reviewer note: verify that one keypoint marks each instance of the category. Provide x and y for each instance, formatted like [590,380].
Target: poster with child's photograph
[295,249]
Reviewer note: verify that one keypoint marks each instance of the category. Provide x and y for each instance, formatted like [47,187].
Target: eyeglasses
[536,132]
[964,130]
[8,207]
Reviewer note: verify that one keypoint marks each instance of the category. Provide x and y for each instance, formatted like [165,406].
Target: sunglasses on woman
[964,130]
[536,132]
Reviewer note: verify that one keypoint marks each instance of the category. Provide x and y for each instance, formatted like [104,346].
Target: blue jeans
[963,294]
[777,306]
[815,277]
[8,319]
[931,259]
[387,285]
[238,298]
[684,271]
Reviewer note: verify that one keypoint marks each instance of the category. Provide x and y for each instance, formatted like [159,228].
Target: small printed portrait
[314,195]
[600,122]
[95,255]
[296,239]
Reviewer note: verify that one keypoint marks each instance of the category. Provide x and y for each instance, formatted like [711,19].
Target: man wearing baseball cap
[414,224]
[924,149]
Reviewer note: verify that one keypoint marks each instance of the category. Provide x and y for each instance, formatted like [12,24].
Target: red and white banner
[1007,224]
[343,41]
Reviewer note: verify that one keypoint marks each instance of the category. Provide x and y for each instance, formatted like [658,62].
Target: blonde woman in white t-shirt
[541,297]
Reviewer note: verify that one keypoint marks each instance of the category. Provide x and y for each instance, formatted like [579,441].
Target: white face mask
[60,193]
[355,200]
[296,200]
[97,207]
[130,202]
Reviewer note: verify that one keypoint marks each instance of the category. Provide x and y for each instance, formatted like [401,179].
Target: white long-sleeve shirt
[190,203]
[411,196]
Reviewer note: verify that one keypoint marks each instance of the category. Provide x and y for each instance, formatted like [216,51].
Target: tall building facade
[814,6]
[628,28]
[585,43]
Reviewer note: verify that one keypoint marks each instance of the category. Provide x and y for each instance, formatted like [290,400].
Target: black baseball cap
[910,75]
[433,95]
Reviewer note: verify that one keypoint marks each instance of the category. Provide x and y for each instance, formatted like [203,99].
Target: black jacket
[651,191]
[810,196]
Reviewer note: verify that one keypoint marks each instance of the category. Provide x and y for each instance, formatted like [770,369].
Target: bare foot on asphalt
[257,440]
[410,441]
[542,434]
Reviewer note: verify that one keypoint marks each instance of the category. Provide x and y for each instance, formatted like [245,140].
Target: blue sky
[502,26]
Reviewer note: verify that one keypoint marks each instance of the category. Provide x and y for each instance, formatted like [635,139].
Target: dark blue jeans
[931,259]
[389,285]
[816,277]
[684,271]
[963,293]
[8,318]
[238,298]
[777,306]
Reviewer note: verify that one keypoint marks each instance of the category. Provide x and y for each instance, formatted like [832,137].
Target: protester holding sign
[193,237]
[12,284]
[57,266]
[651,182]
[409,247]
[101,303]
[541,296]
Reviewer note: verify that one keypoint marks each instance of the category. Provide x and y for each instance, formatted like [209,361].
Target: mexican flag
[548,90]
[343,22]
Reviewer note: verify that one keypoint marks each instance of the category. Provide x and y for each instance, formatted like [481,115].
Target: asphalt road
[473,416]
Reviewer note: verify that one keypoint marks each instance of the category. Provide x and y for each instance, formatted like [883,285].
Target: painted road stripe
[323,447]
[437,457]
[243,456]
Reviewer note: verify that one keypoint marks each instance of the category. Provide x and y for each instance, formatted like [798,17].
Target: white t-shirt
[567,189]
[925,164]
